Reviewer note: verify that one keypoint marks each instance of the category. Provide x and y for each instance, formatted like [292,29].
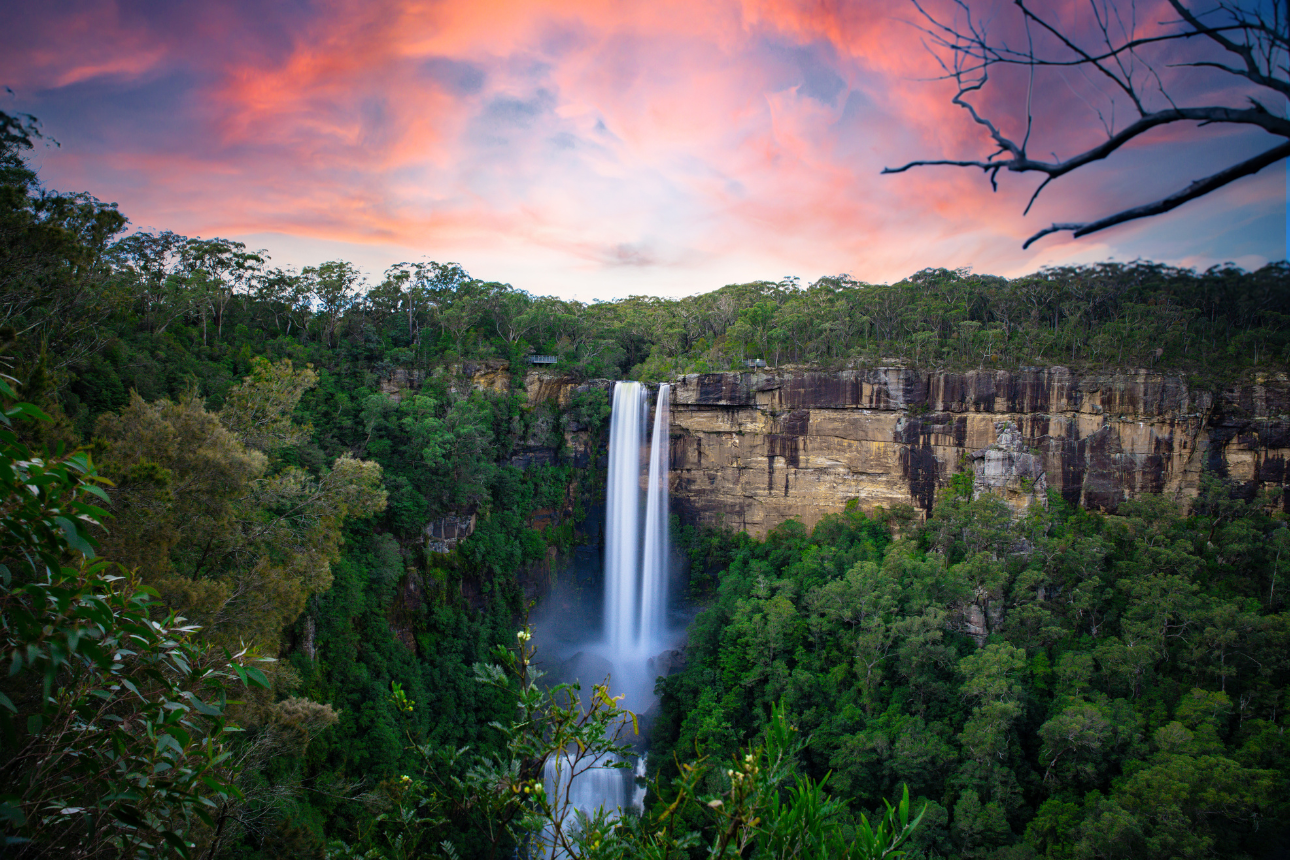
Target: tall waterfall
[636,551]
[622,516]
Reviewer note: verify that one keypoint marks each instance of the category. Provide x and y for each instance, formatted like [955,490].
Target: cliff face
[751,450]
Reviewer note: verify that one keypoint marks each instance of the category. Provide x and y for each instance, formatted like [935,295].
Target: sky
[595,150]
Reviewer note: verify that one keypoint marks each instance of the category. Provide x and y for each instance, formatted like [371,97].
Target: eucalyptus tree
[54,261]
[334,287]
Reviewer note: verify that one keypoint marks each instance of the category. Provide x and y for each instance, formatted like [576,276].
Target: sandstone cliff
[752,449]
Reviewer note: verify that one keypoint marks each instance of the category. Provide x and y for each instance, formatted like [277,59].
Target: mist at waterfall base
[609,615]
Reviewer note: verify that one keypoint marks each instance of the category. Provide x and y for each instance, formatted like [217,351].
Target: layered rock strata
[750,450]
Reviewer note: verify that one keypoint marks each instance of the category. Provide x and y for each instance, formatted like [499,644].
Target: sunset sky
[593,149]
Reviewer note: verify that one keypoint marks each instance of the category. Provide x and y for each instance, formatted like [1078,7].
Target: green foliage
[259,410]
[762,808]
[589,409]
[500,790]
[224,534]
[1055,685]
[113,721]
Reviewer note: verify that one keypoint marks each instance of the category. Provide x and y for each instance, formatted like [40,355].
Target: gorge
[964,520]
[752,450]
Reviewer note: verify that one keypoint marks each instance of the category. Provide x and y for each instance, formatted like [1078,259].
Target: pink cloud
[626,147]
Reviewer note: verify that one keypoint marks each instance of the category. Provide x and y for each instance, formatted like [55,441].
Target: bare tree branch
[1021,164]
[1199,188]
[1258,37]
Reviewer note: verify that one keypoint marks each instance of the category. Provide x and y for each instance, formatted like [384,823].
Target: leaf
[12,812]
[257,677]
[73,533]
[97,491]
[174,840]
[31,411]
[203,708]
[215,784]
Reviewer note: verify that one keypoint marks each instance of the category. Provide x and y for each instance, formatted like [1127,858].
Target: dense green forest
[1071,685]
[226,635]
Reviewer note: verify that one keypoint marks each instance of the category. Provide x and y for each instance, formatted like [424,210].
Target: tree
[221,269]
[760,805]
[461,310]
[1234,55]
[286,296]
[226,535]
[112,716]
[334,285]
[53,260]
[259,409]
[149,267]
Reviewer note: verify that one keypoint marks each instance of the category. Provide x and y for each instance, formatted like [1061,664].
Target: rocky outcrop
[443,534]
[753,449]
[488,375]
[559,391]
[750,450]
[398,380]
[1010,469]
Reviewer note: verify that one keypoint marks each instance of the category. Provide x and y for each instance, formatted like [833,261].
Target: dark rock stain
[1271,471]
[914,389]
[1099,453]
[834,390]
[788,442]
[718,389]
[918,466]
[797,422]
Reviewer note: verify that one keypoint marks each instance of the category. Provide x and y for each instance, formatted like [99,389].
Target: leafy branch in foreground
[763,808]
[505,794]
[112,722]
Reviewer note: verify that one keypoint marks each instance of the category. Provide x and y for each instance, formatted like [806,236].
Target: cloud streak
[593,149]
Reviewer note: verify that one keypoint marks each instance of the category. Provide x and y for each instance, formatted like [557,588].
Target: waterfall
[622,516]
[587,783]
[637,553]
